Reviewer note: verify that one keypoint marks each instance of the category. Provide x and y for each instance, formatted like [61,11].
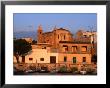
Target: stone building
[53,37]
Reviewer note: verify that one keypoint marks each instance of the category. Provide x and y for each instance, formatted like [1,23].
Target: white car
[28,71]
[83,72]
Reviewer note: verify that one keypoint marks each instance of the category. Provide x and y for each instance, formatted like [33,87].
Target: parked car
[38,69]
[44,69]
[29,71]
[54,71]
[83,72]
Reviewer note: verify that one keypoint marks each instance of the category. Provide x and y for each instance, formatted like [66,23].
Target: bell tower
[39,34]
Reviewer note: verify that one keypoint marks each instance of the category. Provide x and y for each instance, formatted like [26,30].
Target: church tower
[39,34]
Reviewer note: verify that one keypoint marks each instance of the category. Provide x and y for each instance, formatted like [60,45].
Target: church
[54,37]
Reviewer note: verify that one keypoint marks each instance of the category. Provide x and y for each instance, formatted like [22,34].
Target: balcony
[75,52]
[54,50]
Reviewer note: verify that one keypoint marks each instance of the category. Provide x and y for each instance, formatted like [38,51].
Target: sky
[71,21]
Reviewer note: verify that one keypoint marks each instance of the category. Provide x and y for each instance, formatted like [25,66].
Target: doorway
[52,59]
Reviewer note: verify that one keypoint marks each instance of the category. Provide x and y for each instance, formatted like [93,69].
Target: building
[53,37]
[92,35]
[75,53]
[39,55]
[59,47]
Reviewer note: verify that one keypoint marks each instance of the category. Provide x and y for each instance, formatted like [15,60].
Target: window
[85,36]
[47,41]
[64,37]
[74,49]
[30,58]
[58,36]
[65,48]
[84,59]
[41,59]
[74,59]
[84,48]
[65,59]
[52,59]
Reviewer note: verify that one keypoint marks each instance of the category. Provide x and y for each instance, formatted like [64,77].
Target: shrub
[32,68]
[73,69]
[89,70]
[63,69]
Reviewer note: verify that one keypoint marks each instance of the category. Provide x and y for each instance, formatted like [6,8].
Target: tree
[21,48]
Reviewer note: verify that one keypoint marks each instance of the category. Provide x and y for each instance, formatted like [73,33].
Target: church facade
[53,37]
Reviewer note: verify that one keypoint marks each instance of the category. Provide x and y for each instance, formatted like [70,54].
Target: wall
[61,34]
[79,58]
[79,47]
[37,54]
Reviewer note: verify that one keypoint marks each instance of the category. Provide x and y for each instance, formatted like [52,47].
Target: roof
[47,32]
[56,30]
[76,42]
[62,29]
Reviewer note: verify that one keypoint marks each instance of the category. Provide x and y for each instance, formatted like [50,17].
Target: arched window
[64,37]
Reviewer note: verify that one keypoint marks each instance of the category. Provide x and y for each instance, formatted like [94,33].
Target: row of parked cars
[43,69]
[33,70]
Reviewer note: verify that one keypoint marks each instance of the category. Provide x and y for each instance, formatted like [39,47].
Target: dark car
[44,69]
